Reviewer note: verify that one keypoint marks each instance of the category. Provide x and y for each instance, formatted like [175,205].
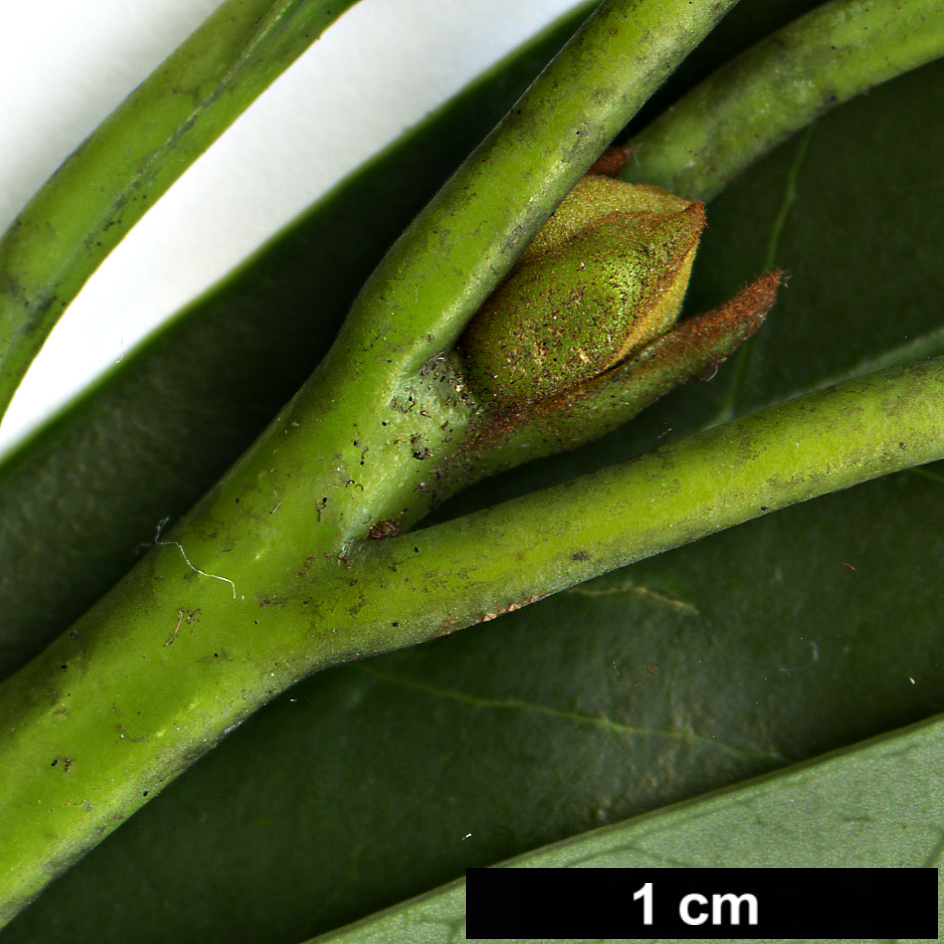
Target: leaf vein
[598,721]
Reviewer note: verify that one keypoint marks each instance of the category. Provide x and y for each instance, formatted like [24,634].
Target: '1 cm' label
[694,909]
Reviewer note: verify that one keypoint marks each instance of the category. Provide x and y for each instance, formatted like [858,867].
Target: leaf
[712,664]
[842,816]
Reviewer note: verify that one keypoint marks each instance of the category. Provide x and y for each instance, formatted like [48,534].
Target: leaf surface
[842,816]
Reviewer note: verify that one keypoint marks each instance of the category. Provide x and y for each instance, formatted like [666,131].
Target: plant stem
[106,185]
[137,702]
[780,85]
[109,713]
[182,406]
[434,278]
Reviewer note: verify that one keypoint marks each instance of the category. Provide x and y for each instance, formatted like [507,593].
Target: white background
[64,65]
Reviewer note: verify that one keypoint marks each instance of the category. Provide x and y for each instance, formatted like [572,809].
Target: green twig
[110,180]
[127,699]
[181,407]
[780,85]
[434,277]
[349,450]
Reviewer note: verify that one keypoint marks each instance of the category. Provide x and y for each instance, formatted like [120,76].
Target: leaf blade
[732,828]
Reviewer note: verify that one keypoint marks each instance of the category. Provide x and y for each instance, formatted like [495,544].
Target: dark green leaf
[842,816]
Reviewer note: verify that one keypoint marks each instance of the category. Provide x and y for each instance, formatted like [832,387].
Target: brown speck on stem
[347,561]
[390,528]
[511,607]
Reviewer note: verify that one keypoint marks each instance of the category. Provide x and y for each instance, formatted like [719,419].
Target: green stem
[780,85]
[136,702]
[419,299]
[109,713]
[184,405]
[458,573]
[500,198]
[107,184]
[344,453]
